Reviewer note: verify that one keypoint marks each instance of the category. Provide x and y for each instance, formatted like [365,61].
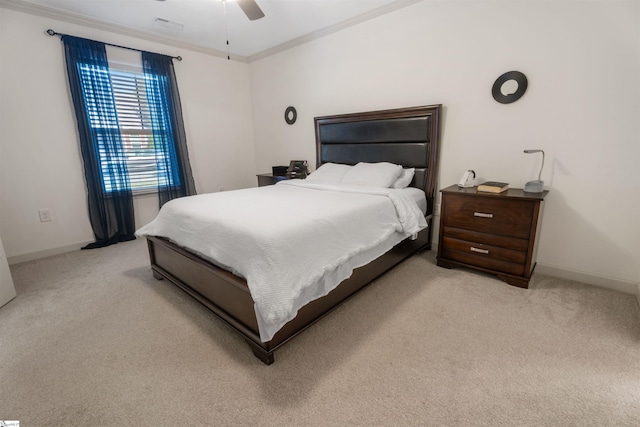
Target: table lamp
[536,186]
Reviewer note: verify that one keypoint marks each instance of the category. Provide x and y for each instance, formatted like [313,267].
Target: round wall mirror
[509,87]
[290,115]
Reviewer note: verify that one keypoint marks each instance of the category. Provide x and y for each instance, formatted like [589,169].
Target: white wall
[582,107]
[41,167]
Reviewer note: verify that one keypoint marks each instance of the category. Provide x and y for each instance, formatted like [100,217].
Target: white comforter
[293,242]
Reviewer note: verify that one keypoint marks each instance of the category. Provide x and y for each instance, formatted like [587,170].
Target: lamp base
[534,187]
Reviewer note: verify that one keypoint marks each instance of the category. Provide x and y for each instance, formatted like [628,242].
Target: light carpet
[93,340]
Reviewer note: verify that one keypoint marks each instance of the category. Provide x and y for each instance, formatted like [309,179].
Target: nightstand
[269,179]
[494,233]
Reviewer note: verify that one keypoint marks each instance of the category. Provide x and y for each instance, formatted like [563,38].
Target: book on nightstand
[493,187]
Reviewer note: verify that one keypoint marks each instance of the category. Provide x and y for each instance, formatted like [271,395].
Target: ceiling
[201,23]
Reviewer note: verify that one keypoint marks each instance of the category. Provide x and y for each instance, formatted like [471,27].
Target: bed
[408,137]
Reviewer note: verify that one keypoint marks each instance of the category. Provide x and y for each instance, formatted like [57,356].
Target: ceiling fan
[251,9]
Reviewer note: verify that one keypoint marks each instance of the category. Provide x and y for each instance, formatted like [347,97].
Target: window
[134,126]
[129,122]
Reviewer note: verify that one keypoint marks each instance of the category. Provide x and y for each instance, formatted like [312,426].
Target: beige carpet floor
[93,340]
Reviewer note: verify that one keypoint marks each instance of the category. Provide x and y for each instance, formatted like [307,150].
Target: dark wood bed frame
[406,136]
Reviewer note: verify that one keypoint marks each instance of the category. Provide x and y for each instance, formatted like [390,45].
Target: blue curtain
[108,189]
[175,178]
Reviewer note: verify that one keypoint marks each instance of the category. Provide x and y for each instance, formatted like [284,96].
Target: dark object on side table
[279,170]
[297,169]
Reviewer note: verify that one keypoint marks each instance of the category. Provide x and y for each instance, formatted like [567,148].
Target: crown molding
[75,18]
[382,10]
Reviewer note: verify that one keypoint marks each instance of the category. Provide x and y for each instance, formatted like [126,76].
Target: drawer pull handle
[483,215]
[480,251]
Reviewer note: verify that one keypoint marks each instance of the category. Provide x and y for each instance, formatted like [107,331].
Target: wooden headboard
[406,136]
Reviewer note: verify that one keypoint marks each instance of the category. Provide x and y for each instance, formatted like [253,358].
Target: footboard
[228,296]
[222,292]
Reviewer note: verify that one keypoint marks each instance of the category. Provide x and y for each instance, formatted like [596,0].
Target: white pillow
[329,173]
[381,174]
[405,178]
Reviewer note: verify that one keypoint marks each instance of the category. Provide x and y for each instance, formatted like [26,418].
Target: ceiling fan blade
[251,9]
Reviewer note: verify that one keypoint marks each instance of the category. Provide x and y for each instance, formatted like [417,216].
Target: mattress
[419,197]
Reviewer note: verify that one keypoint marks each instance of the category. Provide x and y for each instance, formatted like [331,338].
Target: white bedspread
[293,242]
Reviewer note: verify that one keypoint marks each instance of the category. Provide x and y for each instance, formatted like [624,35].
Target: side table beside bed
[494,233]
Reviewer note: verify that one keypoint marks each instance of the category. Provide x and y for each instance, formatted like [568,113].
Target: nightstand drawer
[484,256]
[486,239]
[490,215]
[485,251]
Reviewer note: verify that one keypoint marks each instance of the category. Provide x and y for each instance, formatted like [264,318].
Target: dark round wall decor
[519,78]
[290,115]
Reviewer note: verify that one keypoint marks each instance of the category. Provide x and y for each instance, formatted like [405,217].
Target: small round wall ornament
[290,115]
[509,87]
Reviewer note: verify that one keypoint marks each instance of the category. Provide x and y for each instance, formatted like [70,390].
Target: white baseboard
[46,253]
[603,282]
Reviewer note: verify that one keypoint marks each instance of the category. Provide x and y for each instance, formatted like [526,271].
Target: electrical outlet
[45,215]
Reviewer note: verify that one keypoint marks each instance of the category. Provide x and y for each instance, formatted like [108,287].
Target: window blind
[143,149]
[134,119]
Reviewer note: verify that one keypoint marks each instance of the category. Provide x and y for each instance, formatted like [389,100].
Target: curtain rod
[53,33]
